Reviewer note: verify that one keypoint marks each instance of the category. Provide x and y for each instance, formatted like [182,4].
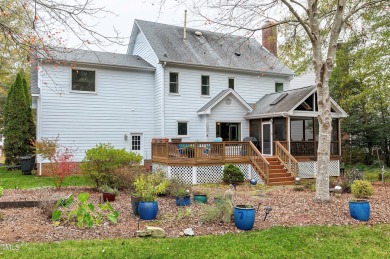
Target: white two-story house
[182,83]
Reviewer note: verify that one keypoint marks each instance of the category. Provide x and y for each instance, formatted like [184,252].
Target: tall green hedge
[19,129]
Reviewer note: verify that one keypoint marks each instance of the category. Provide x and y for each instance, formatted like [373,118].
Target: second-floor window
[205,85]
[174,83]
[278,87]
[231,83]
[83,80]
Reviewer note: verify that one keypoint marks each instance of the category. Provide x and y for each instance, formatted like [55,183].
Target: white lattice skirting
[309,169]
[203,174]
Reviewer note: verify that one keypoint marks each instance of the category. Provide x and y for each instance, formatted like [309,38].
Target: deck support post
[194,170]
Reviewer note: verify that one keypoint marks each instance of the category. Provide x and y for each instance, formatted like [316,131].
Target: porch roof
[284,103]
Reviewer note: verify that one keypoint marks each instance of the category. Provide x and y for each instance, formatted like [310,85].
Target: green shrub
[102,163]
[1,191]
[361,189]
[86,214]
[232,174]
[148,186]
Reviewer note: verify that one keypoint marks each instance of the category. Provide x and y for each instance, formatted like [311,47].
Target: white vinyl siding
[250,87]
[143,49]
[80,121]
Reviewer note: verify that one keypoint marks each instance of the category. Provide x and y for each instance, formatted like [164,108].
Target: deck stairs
[278,174]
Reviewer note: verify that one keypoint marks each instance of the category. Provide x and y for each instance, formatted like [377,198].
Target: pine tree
[16,127]
[30,119]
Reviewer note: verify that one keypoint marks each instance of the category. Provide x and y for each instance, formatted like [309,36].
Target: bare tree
[321,21]
[40,25]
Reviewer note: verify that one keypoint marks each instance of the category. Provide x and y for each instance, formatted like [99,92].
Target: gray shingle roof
[99,57]
[210,49]
[293,97]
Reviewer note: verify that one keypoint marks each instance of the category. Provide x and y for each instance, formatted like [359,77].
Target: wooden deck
[201,153]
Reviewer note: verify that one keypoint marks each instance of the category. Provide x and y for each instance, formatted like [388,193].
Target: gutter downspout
[163,100]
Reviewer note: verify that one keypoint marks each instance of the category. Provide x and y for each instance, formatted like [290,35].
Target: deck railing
[289,162]
[309,148]
[201,153]
[260,164]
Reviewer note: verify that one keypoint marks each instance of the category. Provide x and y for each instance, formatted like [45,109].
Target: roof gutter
[103,65]
[267,115]
[225,68]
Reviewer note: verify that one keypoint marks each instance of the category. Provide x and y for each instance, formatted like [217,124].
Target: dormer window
[278,87]
[83,80]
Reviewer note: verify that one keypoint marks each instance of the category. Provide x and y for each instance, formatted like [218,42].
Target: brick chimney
[270,37]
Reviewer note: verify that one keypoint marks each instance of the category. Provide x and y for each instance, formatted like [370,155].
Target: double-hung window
[174,83]
[231,83]
[205,85]
[83,80]
[182,128]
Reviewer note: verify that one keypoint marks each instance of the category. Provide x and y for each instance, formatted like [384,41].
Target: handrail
[260,163]
[289,162]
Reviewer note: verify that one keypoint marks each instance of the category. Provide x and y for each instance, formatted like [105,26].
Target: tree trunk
[325,133]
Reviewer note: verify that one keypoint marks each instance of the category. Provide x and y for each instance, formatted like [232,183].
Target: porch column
[288,134]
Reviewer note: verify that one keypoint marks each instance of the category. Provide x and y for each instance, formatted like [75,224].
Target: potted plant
[200,195]
[165,140]
[176,140]
[108,193]
[244,217]
[183,197]
[360,207]
[148,186]
[154,140]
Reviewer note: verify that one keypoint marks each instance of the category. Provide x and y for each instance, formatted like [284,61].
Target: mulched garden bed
[289,208]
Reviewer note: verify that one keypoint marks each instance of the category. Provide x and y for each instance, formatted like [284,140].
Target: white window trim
[169,83]
[83,92]
[201,85]
[141,140]
[177,128]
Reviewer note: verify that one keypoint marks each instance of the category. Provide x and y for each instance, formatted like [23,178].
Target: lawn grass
[277,242]
[16,180]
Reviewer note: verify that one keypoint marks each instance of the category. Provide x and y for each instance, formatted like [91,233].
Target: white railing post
[194,178]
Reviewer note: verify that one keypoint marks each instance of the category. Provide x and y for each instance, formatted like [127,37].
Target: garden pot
[244,217]
[134,204]
[176,140]
[183,200]
[148,210]
[108,196]
[360,210]
[200,198]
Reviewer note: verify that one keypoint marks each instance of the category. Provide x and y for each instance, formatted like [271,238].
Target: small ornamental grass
[361,189]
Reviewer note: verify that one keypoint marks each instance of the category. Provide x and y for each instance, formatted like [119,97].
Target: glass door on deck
[267,138]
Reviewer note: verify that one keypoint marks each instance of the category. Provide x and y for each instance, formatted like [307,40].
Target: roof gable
[206,109]
[211,49]
[287,102]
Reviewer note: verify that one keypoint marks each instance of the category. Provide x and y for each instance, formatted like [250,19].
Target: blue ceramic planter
[148,210]
[183,200]
[360,210]
[244,217]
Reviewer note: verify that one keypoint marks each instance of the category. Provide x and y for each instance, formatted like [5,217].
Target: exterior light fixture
[126,137]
